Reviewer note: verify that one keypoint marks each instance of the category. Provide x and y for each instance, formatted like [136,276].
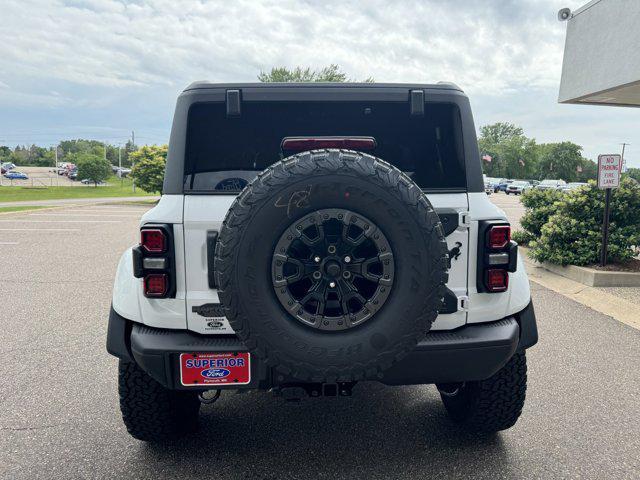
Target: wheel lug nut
[347,259]
[317,275]
[317,259]
[332,249]
[332,284]
[346,274]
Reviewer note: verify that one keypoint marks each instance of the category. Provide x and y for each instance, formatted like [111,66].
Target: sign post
[609,169]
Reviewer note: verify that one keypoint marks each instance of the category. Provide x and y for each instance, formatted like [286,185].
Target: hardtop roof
[202,85]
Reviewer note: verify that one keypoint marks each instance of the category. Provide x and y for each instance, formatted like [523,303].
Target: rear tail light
[497,256]
[302,144]
[153,261]
[498,236]
[496,279]
[153,240]
[156,285]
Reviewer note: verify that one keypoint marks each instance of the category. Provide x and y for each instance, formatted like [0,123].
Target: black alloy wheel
[332,269]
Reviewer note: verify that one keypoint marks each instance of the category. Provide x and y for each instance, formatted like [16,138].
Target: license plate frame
[211,369]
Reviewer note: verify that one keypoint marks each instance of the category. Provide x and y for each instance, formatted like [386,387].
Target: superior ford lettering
[215,363]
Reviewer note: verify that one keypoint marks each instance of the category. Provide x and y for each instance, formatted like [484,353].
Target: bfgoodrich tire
[151,412]
[331,191]
[489,405]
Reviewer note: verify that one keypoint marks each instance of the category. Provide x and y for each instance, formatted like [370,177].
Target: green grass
[19,209]
[114,188]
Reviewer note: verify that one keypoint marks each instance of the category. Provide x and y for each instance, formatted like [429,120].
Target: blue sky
[101,68]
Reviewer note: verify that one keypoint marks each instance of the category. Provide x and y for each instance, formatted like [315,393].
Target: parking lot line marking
[39,229]
[8,243]
[80,215]
[60,221]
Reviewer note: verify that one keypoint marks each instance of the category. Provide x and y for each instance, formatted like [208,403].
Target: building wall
[602,54]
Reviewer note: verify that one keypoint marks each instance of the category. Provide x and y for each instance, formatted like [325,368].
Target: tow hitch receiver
[296,392]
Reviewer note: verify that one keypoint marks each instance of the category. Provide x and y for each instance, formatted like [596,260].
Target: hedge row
[566,227]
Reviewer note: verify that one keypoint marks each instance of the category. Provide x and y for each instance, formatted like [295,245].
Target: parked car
[548,184]
[73,174]
[86,181]
[6,166]
[123,172]
[573,186]
[518,187]
[503,184]
[13,175]
[341,275]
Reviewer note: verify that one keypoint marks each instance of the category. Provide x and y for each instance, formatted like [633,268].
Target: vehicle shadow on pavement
[380,432]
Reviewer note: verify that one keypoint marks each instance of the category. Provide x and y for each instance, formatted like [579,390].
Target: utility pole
[133,145]
[55,165]
[120,162]
[624,165]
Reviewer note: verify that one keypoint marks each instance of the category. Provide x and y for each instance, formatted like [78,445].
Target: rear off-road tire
[321,184]
[489,405]
[151,412]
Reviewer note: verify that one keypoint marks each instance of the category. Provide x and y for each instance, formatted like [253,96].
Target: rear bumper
[472,352]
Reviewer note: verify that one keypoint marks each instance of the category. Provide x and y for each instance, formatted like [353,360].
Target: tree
[634,173]
[148,167]
[560,160]
[93,167]
[332,73]
[512,154]
[500,131]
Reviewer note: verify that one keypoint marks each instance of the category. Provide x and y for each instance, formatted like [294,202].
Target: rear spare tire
[331,266]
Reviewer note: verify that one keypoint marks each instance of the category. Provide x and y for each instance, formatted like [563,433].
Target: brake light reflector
[498,237]
[153,240]
[156,284]
[302,144]
[497,280]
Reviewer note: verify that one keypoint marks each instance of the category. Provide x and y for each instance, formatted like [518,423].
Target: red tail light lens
[153,240]
[497,280]
[498,237]
[156,285]
[302,144]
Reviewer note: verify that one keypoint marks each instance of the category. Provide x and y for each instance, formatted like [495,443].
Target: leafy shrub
[540,205]
[148,169]
[522,237]
[573,233]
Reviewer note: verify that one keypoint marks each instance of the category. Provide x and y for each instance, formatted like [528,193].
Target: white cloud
[109,43]
[106,62]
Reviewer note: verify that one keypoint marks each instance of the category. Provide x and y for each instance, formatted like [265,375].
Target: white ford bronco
[313,236]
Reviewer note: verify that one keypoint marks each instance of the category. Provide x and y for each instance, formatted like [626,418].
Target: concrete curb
[589,276]
[593,277]
[618,308]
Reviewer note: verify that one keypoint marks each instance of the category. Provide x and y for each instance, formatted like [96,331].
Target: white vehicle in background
[518,187]
[573,186]
[551,184]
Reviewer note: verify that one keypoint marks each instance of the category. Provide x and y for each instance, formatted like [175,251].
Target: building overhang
[601,63]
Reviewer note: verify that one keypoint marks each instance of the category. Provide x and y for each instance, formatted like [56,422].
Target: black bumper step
[472,352]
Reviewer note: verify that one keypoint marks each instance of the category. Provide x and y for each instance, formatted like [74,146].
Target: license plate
[203,369]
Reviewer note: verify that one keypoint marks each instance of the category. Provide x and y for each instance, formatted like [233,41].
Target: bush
[540,205]
[93,167]
[522,237]
[148,170]
[573,232]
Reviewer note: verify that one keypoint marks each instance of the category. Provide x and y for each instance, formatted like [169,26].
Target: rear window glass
[223,154]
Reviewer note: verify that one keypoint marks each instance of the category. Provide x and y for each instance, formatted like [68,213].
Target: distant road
[73,201]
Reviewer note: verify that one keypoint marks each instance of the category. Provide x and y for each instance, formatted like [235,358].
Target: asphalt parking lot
[60,416]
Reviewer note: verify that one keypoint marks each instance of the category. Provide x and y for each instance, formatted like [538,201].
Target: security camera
[564,14]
